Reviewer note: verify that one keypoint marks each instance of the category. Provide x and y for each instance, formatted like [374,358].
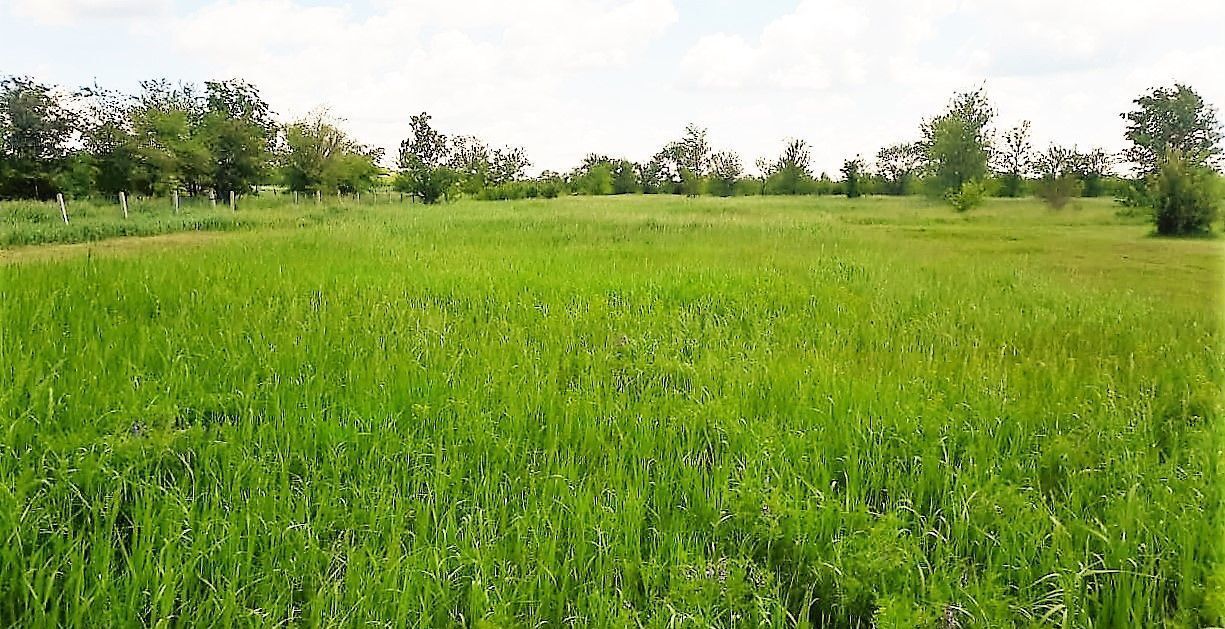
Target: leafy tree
[112,162]
[1057,182]
[1091,168]
[319,156]
[899,165]
[507,164]
[624,177]
[969,196]
[1183,195]
[1172,119]
[423,162]
[549,184]
[725,171]
[656,175]
[852,171]
[166,123]
[239,132]
[594,176]
[469,158]
[958,142]
[35,129]
[1012,161]
[689,157]
[790,173]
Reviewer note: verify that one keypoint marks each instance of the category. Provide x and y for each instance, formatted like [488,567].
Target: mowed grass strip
[619,412]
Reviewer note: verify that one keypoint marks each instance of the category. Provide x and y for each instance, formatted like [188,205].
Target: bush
[1184,197]
[969,196]
[1057,191]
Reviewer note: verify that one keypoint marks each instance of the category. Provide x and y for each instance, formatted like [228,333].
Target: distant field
[612,412]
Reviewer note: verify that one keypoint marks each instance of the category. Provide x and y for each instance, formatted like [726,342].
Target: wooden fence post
[123,201]
[176,201]
[59,196]
[233,206]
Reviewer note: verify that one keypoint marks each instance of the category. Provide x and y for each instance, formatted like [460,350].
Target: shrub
[969,196]
[1057,191]
[1183,196]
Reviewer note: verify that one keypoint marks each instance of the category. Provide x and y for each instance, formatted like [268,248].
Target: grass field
[616,412]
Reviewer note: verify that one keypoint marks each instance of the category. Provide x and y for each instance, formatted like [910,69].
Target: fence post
[233,206]
[176,201]
[318,197]
[123,201]
[59,196]
[295,197]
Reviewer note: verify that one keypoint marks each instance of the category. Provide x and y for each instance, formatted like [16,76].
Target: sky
[564,78]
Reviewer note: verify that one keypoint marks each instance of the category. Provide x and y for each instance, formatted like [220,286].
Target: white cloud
[1071,67]
[72,11]
[487,67]
[564,77]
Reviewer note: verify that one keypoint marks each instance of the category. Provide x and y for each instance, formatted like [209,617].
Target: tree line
[222,137]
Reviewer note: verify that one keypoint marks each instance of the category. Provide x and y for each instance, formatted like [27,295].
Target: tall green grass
[40,222]
[620,412]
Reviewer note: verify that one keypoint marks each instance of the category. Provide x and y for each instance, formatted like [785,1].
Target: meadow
[613,411]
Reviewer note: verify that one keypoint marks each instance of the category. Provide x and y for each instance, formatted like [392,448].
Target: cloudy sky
[568,77]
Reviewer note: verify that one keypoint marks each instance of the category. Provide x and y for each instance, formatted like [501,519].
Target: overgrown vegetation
[223,138]
[618,412]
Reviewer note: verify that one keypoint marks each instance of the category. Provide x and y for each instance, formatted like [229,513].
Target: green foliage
[424,157]
[1013,160]
[238,131]
[689,159]
[852,172]
[319,156]
[1057,176]
[958,143]
[789,174]
[899,166]
[35,128]
[1092,169]
[612,412]
[725,172]
[968,197]
[1172,119]
[1185,197]
[624,177]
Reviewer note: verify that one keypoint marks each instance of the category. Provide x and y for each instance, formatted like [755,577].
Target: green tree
[166,123]
[1057,181]
[725,171]
[958,142]
[594,176]
[852,173]
[655,176]
[898,166]
[1172,119]
[239,132]
[112,159]
[469,158]
[1092,168]
[35,128]
[790,173]
[423,162]
[690,158]
[624,177]
[1012,161]
[507,165]
[1183,197]
[319,156]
